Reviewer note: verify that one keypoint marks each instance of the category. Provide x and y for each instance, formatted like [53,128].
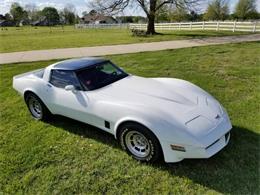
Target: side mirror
[70,88]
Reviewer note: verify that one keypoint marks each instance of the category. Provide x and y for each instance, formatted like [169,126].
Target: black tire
[148,140]
[43,113]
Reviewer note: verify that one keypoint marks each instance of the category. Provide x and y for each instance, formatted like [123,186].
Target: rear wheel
[36,107]
[139,142]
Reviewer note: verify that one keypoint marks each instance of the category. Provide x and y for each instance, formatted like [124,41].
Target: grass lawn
[65,156]
[30,38]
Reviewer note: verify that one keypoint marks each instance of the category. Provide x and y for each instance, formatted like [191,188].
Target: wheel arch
[30,91]
[126,120]
[131,120]
[27,92]
[143,123]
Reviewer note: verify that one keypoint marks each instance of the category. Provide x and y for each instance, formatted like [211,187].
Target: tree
[51,15]
[125,19]
[150,7]
[18,13]
[217,10]
[33,12]
[69,14]
[246,9]
[162,15]
[194,16]
[179,14]
[8,17]
[84,13]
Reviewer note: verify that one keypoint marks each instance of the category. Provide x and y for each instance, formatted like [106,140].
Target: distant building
[2,17]
[24,22]
[4,22]
[41,22]
[93,17]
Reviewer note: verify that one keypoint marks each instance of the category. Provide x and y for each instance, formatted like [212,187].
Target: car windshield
[100,75]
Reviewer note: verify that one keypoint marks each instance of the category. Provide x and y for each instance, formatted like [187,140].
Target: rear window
[62,78]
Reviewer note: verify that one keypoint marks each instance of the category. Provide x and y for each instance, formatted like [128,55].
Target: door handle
[49,85]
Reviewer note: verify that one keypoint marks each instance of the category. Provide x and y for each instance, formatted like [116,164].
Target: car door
[74,104]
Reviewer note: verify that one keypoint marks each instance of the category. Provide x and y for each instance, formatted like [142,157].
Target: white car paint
[176,111]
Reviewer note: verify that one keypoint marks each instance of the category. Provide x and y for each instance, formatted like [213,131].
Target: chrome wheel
[137,144]
[35,107]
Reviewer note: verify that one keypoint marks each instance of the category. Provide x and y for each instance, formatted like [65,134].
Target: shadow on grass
[234,170]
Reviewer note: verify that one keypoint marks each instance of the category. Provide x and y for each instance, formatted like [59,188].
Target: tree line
[30,14]
[216,10]
[155,10]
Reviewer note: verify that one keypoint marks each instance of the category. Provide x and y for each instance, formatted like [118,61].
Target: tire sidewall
[31,95]
[155,148]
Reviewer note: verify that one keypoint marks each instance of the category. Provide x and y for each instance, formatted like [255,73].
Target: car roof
[78,63]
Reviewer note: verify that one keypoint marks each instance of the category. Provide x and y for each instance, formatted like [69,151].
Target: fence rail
[208,25]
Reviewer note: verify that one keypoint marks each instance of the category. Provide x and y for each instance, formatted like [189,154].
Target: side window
[61,78]
[108,68]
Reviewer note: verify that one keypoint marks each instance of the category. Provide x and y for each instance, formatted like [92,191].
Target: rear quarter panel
[30,82]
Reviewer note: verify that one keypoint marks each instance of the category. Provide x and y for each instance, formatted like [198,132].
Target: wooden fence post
[179,26]
[234,26]
[191,26]
[254,27]
[203,25]
[217,26]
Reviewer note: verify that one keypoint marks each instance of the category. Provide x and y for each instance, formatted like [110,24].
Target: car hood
[176,99]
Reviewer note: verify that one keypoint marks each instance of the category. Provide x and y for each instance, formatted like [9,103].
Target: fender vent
[107,124]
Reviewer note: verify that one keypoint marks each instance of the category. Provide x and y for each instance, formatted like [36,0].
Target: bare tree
[33,12]
[69,13]
[69,7]
[150,7]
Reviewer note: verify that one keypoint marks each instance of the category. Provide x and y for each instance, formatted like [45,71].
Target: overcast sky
[83,5]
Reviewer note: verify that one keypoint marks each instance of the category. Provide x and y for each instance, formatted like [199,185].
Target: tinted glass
[61,78]
[100,75]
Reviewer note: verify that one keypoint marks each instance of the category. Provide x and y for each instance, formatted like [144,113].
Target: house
[5,22]
[93,17]
[2,17]
[24,22]
[41,22]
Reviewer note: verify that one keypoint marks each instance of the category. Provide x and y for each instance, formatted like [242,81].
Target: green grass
[30,38]
[65,156]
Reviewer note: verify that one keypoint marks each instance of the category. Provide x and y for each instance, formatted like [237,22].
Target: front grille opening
[212,144]
[227,135]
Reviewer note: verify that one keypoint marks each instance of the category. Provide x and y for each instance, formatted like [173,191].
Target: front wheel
[140,142]
[36,107]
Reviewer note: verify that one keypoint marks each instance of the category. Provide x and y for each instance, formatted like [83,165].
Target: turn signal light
[178,148]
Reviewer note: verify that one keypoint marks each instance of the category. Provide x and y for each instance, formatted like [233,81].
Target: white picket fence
[208,25]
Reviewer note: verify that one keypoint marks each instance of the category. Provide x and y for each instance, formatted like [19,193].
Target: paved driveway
[37,55]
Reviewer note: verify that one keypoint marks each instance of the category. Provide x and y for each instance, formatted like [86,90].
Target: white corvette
[151,117]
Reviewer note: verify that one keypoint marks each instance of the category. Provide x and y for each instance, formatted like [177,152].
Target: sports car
[152,118]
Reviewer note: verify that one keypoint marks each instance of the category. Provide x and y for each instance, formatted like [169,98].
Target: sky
[83,5]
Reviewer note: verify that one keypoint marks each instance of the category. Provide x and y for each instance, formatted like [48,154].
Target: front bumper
[212,143]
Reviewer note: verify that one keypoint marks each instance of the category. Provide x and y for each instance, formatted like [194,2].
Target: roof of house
[2,17]
[92,17]
[79,63]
